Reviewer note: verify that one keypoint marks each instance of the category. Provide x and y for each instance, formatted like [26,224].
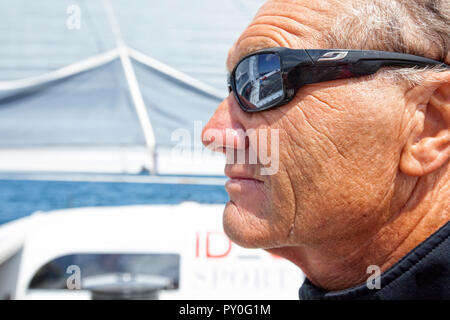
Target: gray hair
[419,27]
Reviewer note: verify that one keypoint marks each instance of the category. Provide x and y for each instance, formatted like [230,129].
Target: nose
[225,129]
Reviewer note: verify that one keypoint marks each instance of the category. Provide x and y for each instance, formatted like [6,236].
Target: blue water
[19,198]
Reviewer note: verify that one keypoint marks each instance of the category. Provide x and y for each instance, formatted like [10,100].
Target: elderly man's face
[339,146]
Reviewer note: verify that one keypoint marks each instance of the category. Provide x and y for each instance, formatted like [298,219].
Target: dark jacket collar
[424,273]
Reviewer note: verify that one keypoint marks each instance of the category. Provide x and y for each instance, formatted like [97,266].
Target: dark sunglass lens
[258,80]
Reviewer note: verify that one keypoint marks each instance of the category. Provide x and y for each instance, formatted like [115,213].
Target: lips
[242,182]
[240,173]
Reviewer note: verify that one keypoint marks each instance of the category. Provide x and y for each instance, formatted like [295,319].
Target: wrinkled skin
[363,163]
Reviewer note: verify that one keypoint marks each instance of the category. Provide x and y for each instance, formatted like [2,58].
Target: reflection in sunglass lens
[258,80]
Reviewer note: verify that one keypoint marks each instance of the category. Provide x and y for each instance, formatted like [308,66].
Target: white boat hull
[211,267]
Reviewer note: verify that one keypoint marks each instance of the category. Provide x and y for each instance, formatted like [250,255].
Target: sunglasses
[270,78]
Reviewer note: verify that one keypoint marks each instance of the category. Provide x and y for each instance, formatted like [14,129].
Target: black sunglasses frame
[306,66]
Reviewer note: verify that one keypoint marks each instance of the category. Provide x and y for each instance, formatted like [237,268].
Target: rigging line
[70,70]
[133,85]
[173,73]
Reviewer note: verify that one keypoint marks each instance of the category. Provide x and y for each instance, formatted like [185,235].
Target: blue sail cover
[94,107]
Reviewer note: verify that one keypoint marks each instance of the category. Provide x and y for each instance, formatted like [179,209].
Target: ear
[428,146]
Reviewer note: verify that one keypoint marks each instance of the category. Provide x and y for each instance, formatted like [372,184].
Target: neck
[343,264]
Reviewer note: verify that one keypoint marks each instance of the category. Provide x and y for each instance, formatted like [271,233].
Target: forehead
[292,24]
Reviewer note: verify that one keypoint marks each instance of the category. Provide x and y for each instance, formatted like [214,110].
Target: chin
[246,228]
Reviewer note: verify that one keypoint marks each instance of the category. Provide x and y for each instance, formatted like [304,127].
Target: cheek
[286,184]
[341,164]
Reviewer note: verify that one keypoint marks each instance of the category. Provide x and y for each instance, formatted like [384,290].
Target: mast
[133,86]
